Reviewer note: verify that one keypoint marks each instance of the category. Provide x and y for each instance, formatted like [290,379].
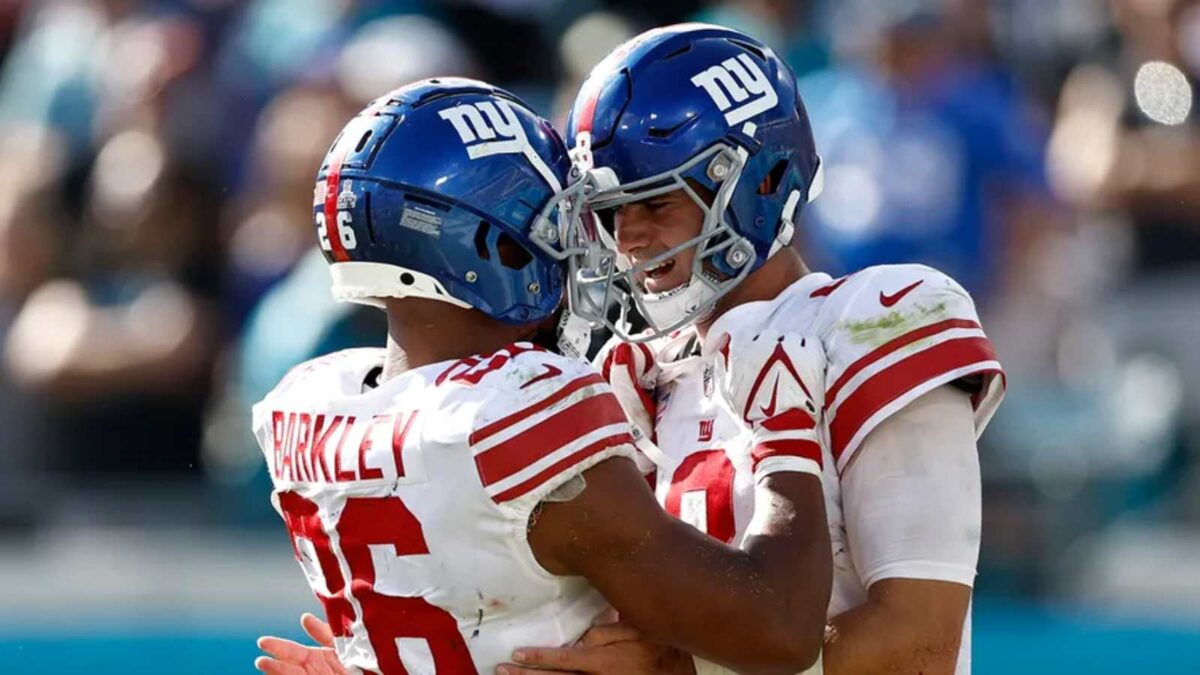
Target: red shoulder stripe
[557,468]
[552,434]
[890,347]
[505,422]
[893,382]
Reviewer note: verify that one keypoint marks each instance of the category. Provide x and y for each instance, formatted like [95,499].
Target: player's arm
[757,610]
[912,505]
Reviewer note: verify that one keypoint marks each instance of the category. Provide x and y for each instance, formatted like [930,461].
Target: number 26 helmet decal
[674,108]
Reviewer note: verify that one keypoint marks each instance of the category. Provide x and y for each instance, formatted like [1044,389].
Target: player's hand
[608,649]
[767,378]
[775,383]
[633,373]
[293,658]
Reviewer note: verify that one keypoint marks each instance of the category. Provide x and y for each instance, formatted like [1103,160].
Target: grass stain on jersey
[880,329]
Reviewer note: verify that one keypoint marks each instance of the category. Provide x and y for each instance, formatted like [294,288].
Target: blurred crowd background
[158,275]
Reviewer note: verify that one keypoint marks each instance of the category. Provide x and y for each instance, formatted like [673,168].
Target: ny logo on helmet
[487,128]
[738,78]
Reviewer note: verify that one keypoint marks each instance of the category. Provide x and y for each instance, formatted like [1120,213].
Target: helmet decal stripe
[334,177]
[331,195]
[593,86]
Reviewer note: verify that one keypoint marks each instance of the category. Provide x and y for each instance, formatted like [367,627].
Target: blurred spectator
[122,348]
[585,42]
[932,153]
[1126,152]
[31,230]
[271,221]
[1128,140]
[786,26]
[49,77]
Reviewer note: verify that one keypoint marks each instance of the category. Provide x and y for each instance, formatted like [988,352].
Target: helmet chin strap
[574,335]
[670,307]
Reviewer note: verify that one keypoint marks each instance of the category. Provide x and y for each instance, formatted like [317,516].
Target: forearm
[881,637]
[789,539]
[786,559]
[751,610]
[714,615]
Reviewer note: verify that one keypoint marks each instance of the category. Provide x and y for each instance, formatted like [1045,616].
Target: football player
[700,158]
[470,488]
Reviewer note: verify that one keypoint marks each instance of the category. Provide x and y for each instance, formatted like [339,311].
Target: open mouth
[654,279]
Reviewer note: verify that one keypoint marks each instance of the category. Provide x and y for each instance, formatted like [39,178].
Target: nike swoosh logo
[826,291]
[769,409]
[889,300]
[551,371]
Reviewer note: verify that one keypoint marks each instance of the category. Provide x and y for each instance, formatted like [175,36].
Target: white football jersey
[890,334]
[408,502]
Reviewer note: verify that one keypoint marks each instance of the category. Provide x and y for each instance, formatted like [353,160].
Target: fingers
[510,669]
[562,658]
[317,629]
[284,650]
[606,634]
[273,667]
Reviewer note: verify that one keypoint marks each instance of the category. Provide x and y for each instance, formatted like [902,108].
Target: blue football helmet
[698,103]
[432,192]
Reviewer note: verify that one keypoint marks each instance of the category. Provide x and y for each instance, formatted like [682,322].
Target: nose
[632,229]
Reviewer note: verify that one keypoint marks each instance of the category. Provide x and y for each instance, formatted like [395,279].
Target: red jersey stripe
[890,347]
[790,420]
[624,357]
[504,422]
[549,435]
[790,448]
[893,382]
[558,467]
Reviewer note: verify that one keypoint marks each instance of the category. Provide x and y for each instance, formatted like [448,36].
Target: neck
[422,332]
[765,283]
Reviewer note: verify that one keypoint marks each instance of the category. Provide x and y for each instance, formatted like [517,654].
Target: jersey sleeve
[892,333]
[550,421]
[912,500]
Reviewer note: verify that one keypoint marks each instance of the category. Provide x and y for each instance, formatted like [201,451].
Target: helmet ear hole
[481,243]
[770,184]
[509,252]
[512,255]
